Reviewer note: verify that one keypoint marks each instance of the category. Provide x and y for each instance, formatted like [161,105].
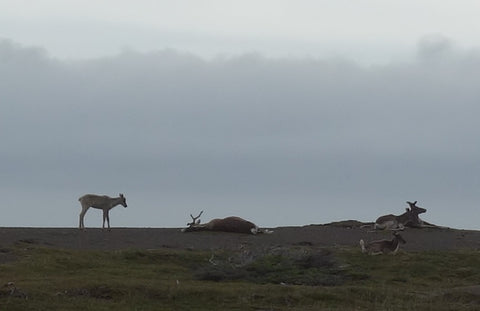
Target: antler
[194,219]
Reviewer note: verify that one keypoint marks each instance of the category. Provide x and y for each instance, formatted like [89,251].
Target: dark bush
[297,265]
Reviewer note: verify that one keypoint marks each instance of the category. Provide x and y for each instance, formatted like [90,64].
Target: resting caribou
[228,224]
[409,218]
[383,246]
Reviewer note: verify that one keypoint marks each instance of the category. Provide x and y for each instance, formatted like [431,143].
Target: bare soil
[341,234]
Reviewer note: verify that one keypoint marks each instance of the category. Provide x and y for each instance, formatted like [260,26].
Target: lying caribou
[383,246]
[409,218]
[228,224]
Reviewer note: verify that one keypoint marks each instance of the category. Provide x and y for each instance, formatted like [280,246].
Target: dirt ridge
[338,234]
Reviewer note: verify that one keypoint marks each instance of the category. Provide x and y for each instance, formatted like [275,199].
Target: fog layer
[278,141]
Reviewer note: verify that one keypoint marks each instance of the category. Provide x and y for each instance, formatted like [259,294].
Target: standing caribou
[102,202]
[409,218]
[383,246]
[228,224]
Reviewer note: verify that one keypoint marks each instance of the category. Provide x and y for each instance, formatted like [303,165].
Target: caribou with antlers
[228,224]
[409,218]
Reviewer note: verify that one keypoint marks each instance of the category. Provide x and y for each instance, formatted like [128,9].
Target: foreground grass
[166,279]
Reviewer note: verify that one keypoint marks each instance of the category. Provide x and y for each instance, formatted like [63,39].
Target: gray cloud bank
[278,141]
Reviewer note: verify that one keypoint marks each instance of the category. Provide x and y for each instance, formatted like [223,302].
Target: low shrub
[299,266]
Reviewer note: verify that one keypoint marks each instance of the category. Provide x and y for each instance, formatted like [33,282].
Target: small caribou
[228,224]
[393,222]
[383,246]
[14,291]
[102,202]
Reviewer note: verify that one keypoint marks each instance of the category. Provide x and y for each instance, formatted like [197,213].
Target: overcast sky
[281,112]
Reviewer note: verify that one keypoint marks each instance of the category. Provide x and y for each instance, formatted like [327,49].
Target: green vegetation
[293,278]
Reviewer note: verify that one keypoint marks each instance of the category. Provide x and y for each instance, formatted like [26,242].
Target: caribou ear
[414,203]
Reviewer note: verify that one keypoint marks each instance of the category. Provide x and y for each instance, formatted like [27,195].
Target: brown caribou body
[383,246]
[409,218]
[228,224]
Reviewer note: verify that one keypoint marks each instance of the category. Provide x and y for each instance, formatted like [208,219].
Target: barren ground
[344,234]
